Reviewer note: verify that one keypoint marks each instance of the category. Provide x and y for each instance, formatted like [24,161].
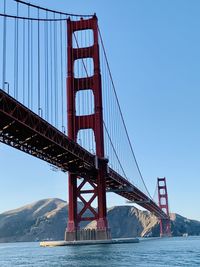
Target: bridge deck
[24,130]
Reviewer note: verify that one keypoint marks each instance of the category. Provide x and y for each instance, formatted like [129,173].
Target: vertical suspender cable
[82,93]
[31,65]
[89,93]
[87,131]
[65,68]
[91,100]
[86,95]
[76,75]
[16,56]
[4,48]
[17,51]
[14,60]
[28,57]
[45,68]
[55,72]
[39,104]
[46,47]
[51,72]
[24,49]
[61,74]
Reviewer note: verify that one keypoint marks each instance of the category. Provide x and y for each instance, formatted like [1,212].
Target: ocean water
[181,251]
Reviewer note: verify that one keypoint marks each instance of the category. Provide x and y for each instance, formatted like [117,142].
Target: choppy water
[183,251]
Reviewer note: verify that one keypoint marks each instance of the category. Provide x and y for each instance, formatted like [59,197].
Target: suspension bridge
[54,69]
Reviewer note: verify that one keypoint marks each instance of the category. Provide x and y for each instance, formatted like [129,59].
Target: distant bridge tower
[165,224]
[75,124]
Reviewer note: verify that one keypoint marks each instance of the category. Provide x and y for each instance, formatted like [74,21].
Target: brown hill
[47,219]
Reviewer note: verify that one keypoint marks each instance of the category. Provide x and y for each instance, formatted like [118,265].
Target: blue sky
[153,51]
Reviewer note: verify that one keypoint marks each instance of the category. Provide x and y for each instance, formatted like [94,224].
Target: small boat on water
[185,235]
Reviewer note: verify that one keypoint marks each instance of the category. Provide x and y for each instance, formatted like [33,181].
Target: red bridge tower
[165,225]
[95,122]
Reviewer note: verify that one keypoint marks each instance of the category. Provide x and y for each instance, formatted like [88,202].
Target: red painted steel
[165,224]
[93,121]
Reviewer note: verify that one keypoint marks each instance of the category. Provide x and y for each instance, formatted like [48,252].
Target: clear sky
[153,48]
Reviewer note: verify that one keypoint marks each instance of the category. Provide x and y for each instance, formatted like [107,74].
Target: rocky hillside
[47,219]
[127,221]
[40,220]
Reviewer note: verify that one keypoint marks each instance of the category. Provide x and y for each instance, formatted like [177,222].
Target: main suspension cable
[123,121]
[29,18]
[51,10]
